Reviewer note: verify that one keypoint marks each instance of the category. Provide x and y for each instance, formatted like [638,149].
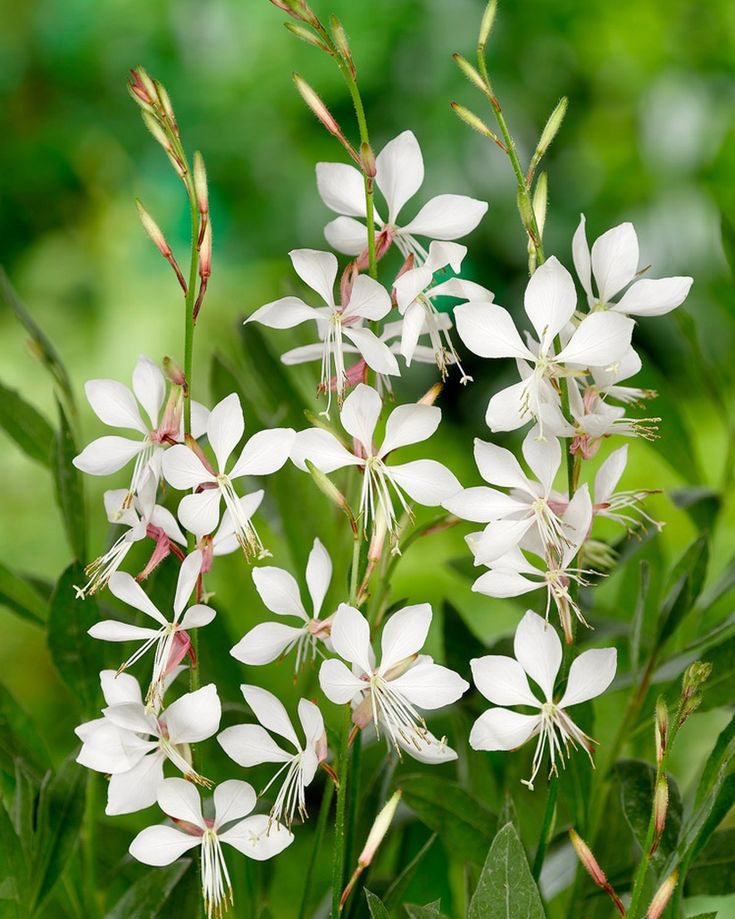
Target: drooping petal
[128,792]
[409,424]
[538,650]
[312,722]
[346,235]
[338,683]
[303,354]
[197,616]
[482,504]
[550,299]
[110,749]
[107,454]
[614,260]
[499,466]
[149,386]
[377,354]
[161,845]
[498,538]
[609,473]
[265,642]
[581,256]
[488,330]
[317,269]
[503,582]
[360,414]
[600,339]
[131,716]
[248,505]
[502,680]
[258,837]
[188,574]
[112,630]
[264,453]
[368,299]
[404,635]
[284,313]
[447,217]
[183,469]
[426,481]
[163,518]
[589,676]
[322,449]
[225,428]
[117,688]
[410,284]
[543,455]
[180,799]
[250,745]
[270,712]
[127,589]
[653,296]
[318,575]
[199,513]
[342,188]
[199,418]
[442,253]
[233,800]
[430,685]
[414,322]
[501,729]
[194,716]
[350,636]
[279,591]
[399,171]
[114,404]
[505,410]
[431,751]
[115,511]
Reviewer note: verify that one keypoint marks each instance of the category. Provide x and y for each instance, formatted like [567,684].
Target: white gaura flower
[504,681]
[613,263]
[529,507]
[488,330]
[168,638]
[143,517]
[280,592]
[224,541]
[415,292]
[427,482]
[131,743]
[254,836]
[251,744]
[265,452]
[607,382]
[400,174]
[513,574]
[611,503]
[368,300]
[115,405]
[390,695]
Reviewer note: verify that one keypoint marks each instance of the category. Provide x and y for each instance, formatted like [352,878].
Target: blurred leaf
[394,894]
[224,379]
[713,872]
[722,585]
[273,398]
[150,893]
[19,737]
[717,691]
[637,780]
[506,889]
[13,867]
[69,487]
[24,807]
[216,663]
[377,910]
[701,503]
[464,567]
[461,819]
[26,426]
[508,813]
[636,628]
[687,578]
[60,812]
[21,596]
[727,230]
[460,644]
[78,657]
[430,911]
[722,752]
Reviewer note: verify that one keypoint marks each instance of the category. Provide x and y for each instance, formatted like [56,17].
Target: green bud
[476,123]
[343,45]
[488,18]
[540,202]
[306,35]
[469,71]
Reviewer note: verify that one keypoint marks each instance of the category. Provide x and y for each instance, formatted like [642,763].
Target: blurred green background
[649,137]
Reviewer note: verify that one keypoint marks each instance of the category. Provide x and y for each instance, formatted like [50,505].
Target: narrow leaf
[713,872]
[637,780]
[396,890]
[636,630]
[506,889]
[19,737]
[69,487]
[377,910]
[20,595]
[146,898]
[26,426]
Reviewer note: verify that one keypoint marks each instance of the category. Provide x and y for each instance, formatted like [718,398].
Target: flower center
[376,494]
[245,532]
[400,719]
[216,886]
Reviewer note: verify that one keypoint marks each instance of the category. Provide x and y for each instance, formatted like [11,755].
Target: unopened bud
[587,859]
[153,230]
[540,201]
[377,540]
[660,808]
[379,829]
[469,71]
[552,127]
[173,371]
[154,126]
[146,83]
[431,395]
[525,209]
[488,18]
[299,9]
[662,896]
[322,113]
[343,45]
[662,728]
[367,160]
[165,100]
[200,183]
[328,488]
[476,123]
[305,35]
[694,676]
[205,252]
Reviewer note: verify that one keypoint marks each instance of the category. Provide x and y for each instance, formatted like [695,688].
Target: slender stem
[315,852]
[546,829]
[338,862]
[189,307]
[89,849]
[355,765]
[354,569]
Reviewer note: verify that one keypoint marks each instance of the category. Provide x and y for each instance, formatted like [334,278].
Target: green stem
[355,765]
[354,569]
[316,850]
[338,863]
[189,307]
[89,849]
[546,829]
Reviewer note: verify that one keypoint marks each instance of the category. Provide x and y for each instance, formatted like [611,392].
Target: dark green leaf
[506,889]
[724,583]
[460,644]
[637,780]
[26,426]
[728,241]
[396,890]
[13,869]
[704,916]
[636,629]
[423,912]
[69,487]
[377,910]
[150,893]
[700,502]
[713,872]
[273,398]
[20,595]
[24,807]
[19,738]
[462,820]
[717,691]
[686,582]
[720,757]
[508,813]
[78,657]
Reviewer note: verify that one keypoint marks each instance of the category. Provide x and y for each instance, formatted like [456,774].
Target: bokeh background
[649,137]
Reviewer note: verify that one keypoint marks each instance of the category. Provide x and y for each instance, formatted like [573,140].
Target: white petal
[188,574]
[180,799]
[342,188]
[264,453]
[110,749]
[127,589]
[197,616]
[500,729]
[360,414]
[131,716]
[488,330]
[482,504]
[614,260]
[318,575]
[600,339]
[114,404]
[113,500]
[195,716]
[377,354]
[161,845]
[269,711]
[404,635]
[265,642]
[279,591]
[338,683]
[183,469]
[589,676]
[284,313]
[112,630]
[163,518]
[447,217]
[322,449]
[414,322]
[542,456]
[409,424]
[400,171]
[303,354]
[225,428]
[250,745]
[538,650]
[505,409]
[502,583]
[426,481]
[443,253]
[317,269]
[499,538]
[350,636]
[502,681]
[199,418]
[609,473]
[199,513]
[119,687]
[149,386]
[432,751]
[499,466]
[312,722]
[368,299]
[136,789]
[258,837]
[248,505]
[462,289]
[550,299]
[346,235]
[653,296]
[430,685]
[233,800]
[410,284]
[581,256]
[107,455]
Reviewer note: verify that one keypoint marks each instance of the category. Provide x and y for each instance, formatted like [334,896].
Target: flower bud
[340,40]
[525,209]
[476,123]
[153,230]
[367,160]
[200,183]
[551,128]
[305,35]
[540,201]
[323,114]
[154,126]
[330,490]
[379,829]
[694,676]
[143,86]
[587,859]
[173,371]
[377,540]
[469,71]
[488,18]
[662,896]
[660,807]
[431,395]
[662,728]
[205,253]
[165,101]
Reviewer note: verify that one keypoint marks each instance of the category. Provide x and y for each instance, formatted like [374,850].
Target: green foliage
[637,780]
[69,487]
[20,595]
[27,426]
[150,895]
[506,889]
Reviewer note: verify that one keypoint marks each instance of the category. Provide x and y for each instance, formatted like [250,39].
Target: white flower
[164,638]
[143,517]
[251,744]
[415,291]
[254,836]
[424,481]
[529,506]
[115,405]
[368,300]
[503,681]
[224,541]
[488,330]
[513,574]
[400,174]
[611,503]
[131,743]
[613,263]
[389,695]
[265,452]
[280,593]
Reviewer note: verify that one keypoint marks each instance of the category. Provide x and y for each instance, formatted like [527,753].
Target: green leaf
[701,503]
[13,869]
[717,691]
[26,426]
[462,821]
[19,737]
[720,757]
[713,873]
[69,487]
[636,629]
[686,580]
[727,230]
[637,780]
[60,812]
[423,912]
[24,807]
[149,894]
[396,890]
[273,398]
[724,583]
[20,595]
[78,657]
[377,910]
[506,889]
[460,644]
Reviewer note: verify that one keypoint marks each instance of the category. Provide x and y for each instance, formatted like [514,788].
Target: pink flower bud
[662,896]
[205,253]
[200,183]
[323,114]
[379,829]
[173,372]
[660,808]
[153,230]
[591,866]
[662,728]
